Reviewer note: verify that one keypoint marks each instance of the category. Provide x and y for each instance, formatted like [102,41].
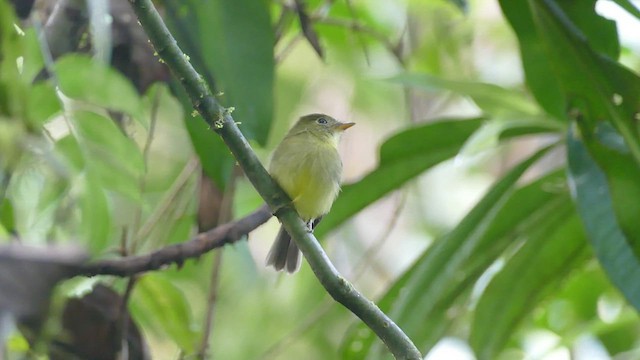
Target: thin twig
[370,254]
[142,182]
[179,253]
[286,50]
[167,202]
[212,300]
[284,20]
[307,324]
[124,316]
[226,209]
[365,50]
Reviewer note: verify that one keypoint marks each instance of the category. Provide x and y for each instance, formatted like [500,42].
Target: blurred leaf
[552,249]
[35,196]
[32,61]
[95,217]
[620,336]
[69,149]
[537,40]
[43,103]
[599,32]
[611,246]
[109,154]
[629,7]
[492,99]
[607,99]
[413,151]
[13,87]
[83,79]
[6,215]
[535,62]
[161,306]
[183,19]
[402,157]
[463,5]
[419,300]
[237,42]
[493,131]
[215,157]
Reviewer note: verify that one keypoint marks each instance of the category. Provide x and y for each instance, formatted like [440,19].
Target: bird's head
[320,125]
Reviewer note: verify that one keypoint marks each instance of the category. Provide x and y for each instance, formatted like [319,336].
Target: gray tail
[284,254]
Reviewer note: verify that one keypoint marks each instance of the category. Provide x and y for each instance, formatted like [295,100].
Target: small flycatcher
[307,166]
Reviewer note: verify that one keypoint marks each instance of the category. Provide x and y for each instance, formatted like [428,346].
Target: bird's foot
[309,226]
[278,210]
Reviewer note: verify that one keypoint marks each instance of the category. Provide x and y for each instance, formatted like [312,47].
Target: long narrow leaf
[612,248]
[551,250]
[402,157]
[419,299]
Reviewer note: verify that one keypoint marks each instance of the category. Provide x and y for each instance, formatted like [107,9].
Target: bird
[307,166]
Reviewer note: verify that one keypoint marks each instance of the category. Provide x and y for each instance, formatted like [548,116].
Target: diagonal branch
[220,120]
[178,253]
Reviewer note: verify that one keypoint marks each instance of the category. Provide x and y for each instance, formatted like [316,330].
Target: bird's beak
[345,126]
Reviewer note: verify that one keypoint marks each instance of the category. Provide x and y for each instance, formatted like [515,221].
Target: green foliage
[420,299]
[115,159]
[595,204]
[235,45]
[162,305]
[102,165]
[554,248]
[78,76]
[603,104]
[402,157]
[230,44]
[491,99]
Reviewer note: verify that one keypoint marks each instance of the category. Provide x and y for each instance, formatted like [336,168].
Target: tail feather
[284,254]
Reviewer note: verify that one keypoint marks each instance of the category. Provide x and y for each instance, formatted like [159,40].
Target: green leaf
[95,216]
[237,42]
[602,96]
[493,131]
[603,99]
[492,99]
[43,103]
[402,157]
[612,248]
[600,33]
[535,39]
[629,7]
[552,249]
[32,62]
[13,86]
[216,159]
[161,306]
[588,80]
[6,216]
[69,150]
[109,154]
[82,79]
[419,300]
[610,91]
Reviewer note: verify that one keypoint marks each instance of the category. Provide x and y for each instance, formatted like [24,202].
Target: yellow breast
[309,171]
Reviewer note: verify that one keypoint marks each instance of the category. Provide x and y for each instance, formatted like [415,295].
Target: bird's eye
[322,121]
